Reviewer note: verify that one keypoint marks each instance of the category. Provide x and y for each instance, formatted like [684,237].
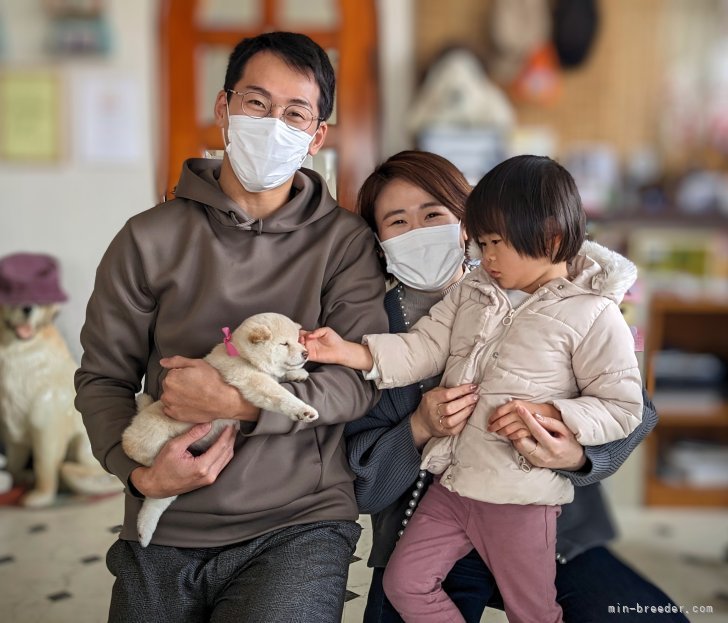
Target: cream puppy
[262,351]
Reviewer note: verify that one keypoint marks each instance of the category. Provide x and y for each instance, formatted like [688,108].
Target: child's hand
[507,421]
[325,345]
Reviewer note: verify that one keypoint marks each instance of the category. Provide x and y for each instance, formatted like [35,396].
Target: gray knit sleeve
[607,458]
[382,455]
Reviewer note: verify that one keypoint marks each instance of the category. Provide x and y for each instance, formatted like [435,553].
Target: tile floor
[52,561]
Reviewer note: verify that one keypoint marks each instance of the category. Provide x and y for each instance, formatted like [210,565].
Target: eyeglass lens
[258,106]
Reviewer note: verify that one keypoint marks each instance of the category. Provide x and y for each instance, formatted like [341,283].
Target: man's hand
[506,419]
[193,391]
[550,444]
[176,470]
[325,345]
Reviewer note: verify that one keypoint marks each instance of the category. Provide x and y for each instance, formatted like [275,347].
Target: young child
[537,321]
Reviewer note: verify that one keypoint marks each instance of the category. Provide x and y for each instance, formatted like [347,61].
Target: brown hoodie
[171,278]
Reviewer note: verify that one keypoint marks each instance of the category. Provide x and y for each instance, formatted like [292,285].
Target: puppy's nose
[26,310]
[304,354]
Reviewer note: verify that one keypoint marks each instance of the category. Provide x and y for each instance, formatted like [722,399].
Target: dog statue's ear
[259,333]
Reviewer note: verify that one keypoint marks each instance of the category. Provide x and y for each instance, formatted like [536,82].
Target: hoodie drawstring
[246,225]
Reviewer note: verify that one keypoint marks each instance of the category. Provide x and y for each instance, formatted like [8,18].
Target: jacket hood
[595,269]
[602,271]
[310,200]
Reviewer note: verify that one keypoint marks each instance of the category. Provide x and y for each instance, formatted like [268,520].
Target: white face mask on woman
[425,258]
[264,153]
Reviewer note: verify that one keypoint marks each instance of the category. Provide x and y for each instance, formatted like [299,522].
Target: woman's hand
[443,411]
[506,421]
[325,345]
[550,444]
[193,391]
[175,470]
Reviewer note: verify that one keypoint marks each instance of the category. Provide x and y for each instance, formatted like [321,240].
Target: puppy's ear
[259,333]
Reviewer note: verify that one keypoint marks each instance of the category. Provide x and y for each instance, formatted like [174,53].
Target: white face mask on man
[264,153]
[425,258]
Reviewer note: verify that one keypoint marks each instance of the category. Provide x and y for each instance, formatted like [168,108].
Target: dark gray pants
[292,575]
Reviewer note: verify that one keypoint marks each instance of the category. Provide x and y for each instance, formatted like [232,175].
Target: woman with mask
[414,202]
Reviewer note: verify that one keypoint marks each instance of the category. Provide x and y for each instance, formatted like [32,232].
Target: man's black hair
[300,52]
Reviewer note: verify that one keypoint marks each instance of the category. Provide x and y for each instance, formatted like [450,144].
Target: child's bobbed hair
[533,204]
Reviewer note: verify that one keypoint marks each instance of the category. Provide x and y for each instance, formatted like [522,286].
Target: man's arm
[116,336]
[115,341]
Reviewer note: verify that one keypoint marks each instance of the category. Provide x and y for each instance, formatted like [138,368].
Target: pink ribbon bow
[229,346]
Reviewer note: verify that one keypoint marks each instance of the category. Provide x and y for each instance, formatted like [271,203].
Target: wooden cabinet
[693,326]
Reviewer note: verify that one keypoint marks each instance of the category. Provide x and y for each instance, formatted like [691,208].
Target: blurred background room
[102,100]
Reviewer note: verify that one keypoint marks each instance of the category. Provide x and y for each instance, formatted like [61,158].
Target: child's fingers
[521,433]
[496,425]
[509,430]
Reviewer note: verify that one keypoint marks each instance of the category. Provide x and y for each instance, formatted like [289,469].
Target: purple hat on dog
[30,279]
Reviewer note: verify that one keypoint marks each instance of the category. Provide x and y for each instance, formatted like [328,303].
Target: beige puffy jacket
[567,344]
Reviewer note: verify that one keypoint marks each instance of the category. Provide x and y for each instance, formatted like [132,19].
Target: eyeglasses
[256,105]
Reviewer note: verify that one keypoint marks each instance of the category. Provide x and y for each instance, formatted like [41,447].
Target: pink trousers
[518,543]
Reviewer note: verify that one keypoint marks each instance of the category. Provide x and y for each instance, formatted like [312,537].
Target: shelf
[702,305]
[660,219]
[693,326]
[660,493]
[680,418]
[689,324]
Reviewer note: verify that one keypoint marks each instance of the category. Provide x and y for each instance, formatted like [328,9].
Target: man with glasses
[265,525]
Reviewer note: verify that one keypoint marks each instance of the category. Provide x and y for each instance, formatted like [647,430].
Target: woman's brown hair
[432,173]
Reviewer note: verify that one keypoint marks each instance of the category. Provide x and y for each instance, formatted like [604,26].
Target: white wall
[72,209]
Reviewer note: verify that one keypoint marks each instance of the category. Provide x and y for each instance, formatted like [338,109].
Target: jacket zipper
[507,321]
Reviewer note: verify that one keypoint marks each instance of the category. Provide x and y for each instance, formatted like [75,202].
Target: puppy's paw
[309,414]
[145,535]
[297,375]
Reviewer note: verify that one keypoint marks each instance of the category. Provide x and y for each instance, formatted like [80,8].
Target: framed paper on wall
[30,116]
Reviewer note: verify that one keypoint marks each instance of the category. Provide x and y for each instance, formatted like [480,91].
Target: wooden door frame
[355,135]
